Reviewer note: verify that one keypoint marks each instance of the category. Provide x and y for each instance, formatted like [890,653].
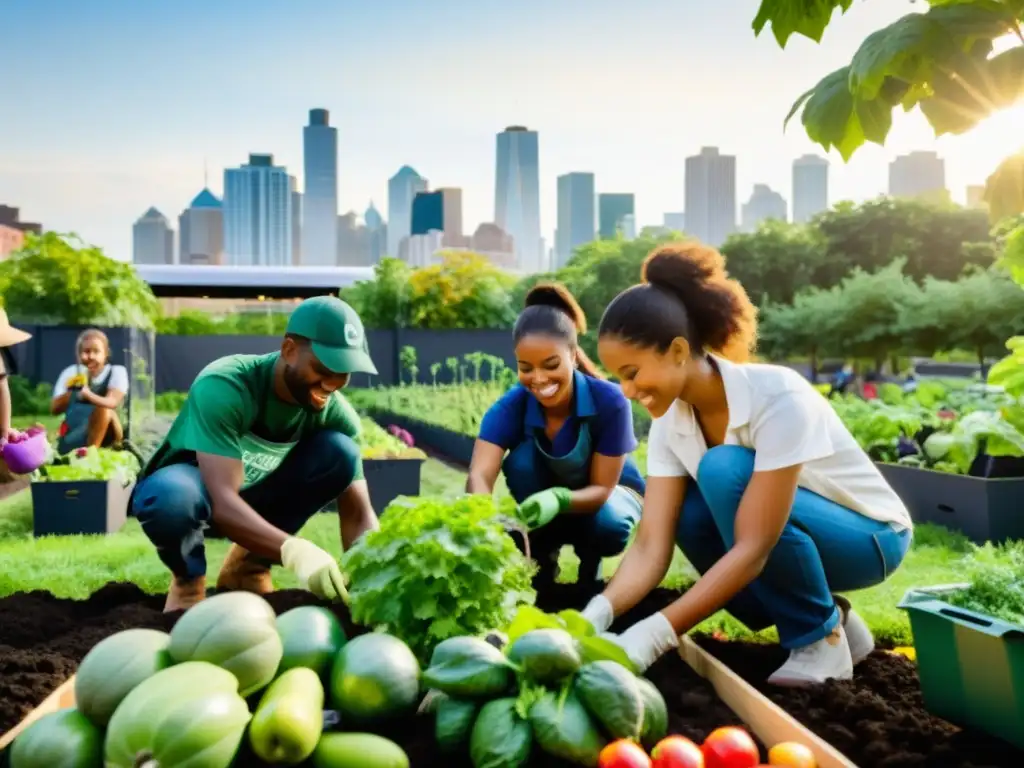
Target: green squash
[114,666]
[655,713]
[180,711]
[375,677]
[453,723]
[564,729]
[546,655]
[312,637]
[500,737]
[65,738]
[469,667]
[610,693]
[234,630]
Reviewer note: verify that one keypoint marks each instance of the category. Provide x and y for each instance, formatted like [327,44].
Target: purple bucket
[26,456]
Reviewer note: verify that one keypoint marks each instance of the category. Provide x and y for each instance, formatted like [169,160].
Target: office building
[710,196]
[201,230]
[517,193]
[319,215]
[378,231]
[765,203]
[919,175]
[13,230]
[441,211]
[576,215]
[297,214]
[258,214]
[612,208]
[152,239]
[810,187]
[402,188]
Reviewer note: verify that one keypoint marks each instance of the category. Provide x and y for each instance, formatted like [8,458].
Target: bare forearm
[588,500]
[5,406]
[60,403]
[641,570]
[478,484]
[243,525]
[356,513]
[714,589]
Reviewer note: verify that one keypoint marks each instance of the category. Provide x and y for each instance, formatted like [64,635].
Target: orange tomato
[792,754]
[623,754]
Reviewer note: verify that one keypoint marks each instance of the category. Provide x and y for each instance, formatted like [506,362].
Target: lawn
[76,566]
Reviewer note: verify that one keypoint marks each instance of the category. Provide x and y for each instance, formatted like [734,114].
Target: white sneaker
[828,658]
[861,641]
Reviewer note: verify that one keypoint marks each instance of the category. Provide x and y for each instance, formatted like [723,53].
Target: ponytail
[551,310]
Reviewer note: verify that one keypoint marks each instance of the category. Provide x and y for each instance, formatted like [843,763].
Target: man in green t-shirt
[262,443]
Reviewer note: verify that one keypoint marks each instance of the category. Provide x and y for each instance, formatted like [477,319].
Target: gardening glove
[543,507]
[315,569]
[646,641]
[599,613]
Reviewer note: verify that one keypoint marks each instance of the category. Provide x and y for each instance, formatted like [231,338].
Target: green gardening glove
[543,507]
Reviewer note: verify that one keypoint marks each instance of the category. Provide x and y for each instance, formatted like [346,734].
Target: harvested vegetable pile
[43,639]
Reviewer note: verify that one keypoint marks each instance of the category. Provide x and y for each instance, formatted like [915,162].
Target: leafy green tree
[941,60]
[464,290]
[407,358]
[384,301]
[807,327]
[57,279]
[775,261]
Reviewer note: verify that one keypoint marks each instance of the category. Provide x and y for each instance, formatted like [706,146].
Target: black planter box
[451,445]
[390,478]
[983,509]
[80,506]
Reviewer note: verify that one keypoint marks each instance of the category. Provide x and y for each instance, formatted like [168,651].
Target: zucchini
[609,692]
[469,667]
[546,655]
[655,713]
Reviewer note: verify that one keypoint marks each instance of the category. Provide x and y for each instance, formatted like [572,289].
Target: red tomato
[623,754]
[730,747]
[677,752]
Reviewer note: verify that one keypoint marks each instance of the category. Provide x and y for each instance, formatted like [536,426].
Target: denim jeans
[173,506]
[824,548]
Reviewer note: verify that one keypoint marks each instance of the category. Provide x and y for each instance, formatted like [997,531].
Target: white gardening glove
[599,613]
[315,569]
[646,641]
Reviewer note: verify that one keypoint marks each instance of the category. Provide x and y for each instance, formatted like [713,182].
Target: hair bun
[557,296]
[682,267]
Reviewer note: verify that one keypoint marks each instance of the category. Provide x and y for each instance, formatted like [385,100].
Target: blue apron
[77,418]
[530,467]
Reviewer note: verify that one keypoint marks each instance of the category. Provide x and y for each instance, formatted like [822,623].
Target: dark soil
[42,640]
[877,720]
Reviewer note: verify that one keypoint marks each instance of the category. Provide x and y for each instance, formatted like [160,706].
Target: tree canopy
[56,279]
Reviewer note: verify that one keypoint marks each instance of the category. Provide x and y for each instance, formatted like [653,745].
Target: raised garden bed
[449,444]
[982,508]
[878,719]
[67,508]
[387,479]
[42,640]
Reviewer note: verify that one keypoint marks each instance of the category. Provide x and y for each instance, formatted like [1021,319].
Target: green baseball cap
[336,332]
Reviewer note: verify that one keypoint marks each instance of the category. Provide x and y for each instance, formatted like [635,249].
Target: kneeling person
[262,444]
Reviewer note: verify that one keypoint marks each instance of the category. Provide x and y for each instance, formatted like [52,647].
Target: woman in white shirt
[750,470]
[88,395]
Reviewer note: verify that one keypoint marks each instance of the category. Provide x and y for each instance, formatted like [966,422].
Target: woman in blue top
[562,438]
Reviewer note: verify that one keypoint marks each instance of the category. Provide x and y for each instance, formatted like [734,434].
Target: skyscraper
[152,239]
[320,200]
[765,203]
[201,231]
[918,174]
[576,218]
[612,208]
[378,230]
[710,196]
[258,214]
[297,213]
[517,193]
[810,187]
[402,188]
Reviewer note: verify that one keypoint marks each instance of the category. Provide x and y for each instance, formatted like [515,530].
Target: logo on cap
[352,335]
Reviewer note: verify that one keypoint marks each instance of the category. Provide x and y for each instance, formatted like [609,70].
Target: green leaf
[575,624]
[803,17]
[830,116]
[962,98]
[1013,259]
[602,649]
[1004,188]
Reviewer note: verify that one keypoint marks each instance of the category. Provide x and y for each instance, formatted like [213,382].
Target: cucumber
[564,729]
[289,720]
[655,713]
[612,697]
[469,667]
[500,737]
[546,655]
[453,723]
[358,750]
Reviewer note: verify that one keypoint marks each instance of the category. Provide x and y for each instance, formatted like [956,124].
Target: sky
[109,107]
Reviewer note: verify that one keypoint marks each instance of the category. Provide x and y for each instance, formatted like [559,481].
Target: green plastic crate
[971,665]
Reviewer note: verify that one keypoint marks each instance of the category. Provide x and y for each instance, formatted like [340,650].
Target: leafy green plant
[995,583]
[28,399]
[90,464]
[378,444]
[437,568]
[591,647]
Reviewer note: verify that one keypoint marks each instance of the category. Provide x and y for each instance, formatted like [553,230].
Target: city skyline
[600,104]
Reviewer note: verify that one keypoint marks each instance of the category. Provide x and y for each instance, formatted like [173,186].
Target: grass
[75,566]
